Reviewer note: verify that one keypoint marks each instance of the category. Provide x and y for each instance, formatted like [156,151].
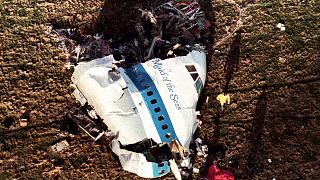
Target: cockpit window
[199,85]
[191,68]
[194,76]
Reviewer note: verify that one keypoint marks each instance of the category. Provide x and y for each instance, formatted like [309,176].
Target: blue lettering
[173,97]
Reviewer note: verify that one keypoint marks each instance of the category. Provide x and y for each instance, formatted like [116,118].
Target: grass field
[272,127]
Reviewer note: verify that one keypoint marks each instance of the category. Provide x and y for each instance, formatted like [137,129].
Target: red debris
[216,174]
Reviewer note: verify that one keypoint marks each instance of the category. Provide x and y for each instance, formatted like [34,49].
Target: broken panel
[86,124]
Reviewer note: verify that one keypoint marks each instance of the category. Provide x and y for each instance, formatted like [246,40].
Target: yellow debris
[223,99]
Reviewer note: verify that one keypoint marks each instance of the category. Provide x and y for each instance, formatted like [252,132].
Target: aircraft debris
[173,28]
[195,170]
[201,149]
[94,47]
[110,135]
[199,123]
[207,99]
[149,16]
[223,98]
[281,26]
[65,134]
[143,92]
[23,122]
[24,118]
[136,119]
[175,169]
[86,123]
[60,146]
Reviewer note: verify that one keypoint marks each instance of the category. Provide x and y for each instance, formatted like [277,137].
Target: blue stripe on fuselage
[160,169]
[157,110]
[153,100]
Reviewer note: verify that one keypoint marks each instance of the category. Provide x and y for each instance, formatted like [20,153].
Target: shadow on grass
[256,149]
[214,148]
[207,7]
[278,85]
[29,127]
[233,59]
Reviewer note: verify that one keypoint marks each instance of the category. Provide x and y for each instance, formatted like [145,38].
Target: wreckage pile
[173,29]
[169,30]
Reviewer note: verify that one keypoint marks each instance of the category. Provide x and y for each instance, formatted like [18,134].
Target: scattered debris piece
[86,124]
[175,169]
[269,161]
[60,146]
[195,170]
[223,98]
[148,15]
[199,123]
[23,122]
[216,174]
[281,26]
[207,99]
[24,118]
[68,65]
[65,134]
[201,149]
[94,46]
[110,135]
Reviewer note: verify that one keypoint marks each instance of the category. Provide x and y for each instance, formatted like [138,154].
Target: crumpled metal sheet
[158,30]
[91,47]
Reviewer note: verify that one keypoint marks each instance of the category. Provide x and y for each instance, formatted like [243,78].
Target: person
[223,98]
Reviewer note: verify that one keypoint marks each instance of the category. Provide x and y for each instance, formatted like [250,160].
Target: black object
[117,56]
[69,126]
[219,152]
[115,45]
[8,121]
[152,151]
[25,115]
[130,60]
[233,163]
